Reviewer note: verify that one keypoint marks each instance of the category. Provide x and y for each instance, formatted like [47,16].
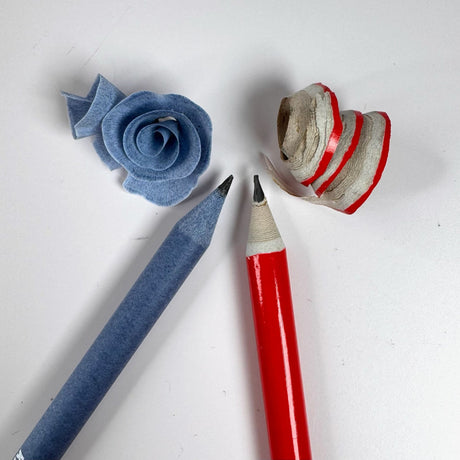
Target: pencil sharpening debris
[163,141]
[340,154]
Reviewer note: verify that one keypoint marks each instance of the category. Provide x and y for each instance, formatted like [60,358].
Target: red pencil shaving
[340,154]
[276,335]
[315,111]
[352,124]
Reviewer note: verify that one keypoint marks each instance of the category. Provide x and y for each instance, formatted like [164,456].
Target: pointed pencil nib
[223,188]
[258,192]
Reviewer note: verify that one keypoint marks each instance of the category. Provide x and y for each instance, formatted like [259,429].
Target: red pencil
[276,336]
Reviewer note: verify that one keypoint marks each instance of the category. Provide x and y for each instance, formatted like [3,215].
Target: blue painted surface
[125,331]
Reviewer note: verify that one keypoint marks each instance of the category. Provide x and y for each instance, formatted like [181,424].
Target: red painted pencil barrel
[278,356]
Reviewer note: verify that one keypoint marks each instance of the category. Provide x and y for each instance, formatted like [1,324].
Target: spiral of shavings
[309,128]
[341,154]
[163,141]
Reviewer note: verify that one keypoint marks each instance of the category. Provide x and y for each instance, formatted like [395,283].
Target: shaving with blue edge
[163,141]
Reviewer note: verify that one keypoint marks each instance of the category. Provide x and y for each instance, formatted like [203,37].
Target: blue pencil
[125,330]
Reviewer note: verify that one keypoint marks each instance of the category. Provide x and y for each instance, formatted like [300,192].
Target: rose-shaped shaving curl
[86,114]
[341,154]
[162,140]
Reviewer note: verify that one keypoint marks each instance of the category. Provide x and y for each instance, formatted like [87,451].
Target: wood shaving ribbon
[341,154]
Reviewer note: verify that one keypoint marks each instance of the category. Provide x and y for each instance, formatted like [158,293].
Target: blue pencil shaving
[163,141]
[124,332]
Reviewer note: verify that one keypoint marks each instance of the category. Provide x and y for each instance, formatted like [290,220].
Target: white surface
[376,294]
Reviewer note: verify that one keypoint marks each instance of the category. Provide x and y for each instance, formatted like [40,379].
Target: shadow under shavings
[259,117]
[412,166]
[260,110]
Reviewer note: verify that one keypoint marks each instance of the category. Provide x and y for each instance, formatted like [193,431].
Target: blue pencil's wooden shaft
[124,332]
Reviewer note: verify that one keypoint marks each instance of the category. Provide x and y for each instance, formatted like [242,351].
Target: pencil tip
[224,187]
[258,192]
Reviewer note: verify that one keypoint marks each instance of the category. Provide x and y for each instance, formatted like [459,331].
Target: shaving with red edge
[341,154]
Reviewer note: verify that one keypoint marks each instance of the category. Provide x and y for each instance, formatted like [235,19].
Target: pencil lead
[258,192]
[223,188]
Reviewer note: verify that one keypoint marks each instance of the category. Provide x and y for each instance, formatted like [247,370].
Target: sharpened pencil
[124,332]
[274,324]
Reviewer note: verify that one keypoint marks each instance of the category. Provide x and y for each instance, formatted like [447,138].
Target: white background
[376,293]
